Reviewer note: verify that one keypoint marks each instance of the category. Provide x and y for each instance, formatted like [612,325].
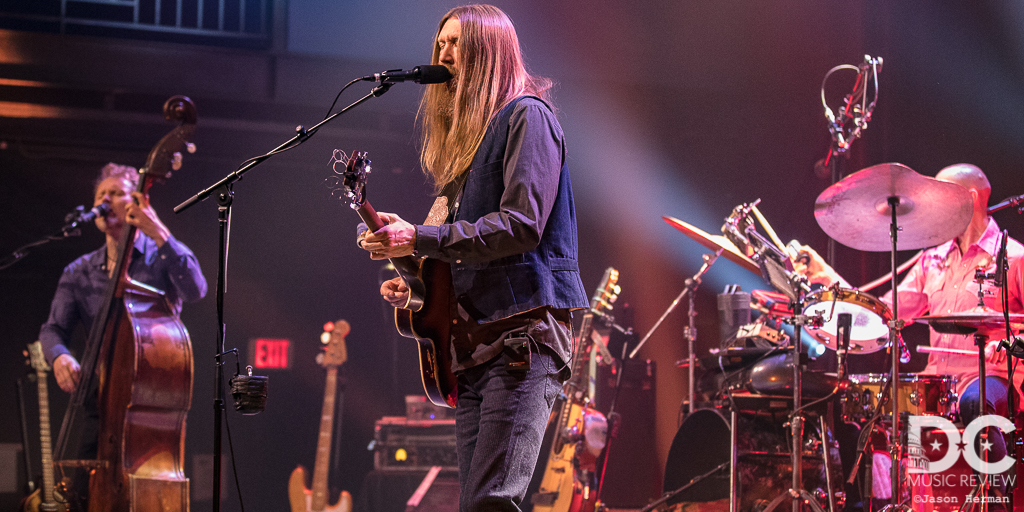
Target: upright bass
[138,365]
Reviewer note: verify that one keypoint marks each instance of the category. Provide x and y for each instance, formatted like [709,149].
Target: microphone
[843,325]
[80,216]
[426,74]
[1001,262]
[801,255]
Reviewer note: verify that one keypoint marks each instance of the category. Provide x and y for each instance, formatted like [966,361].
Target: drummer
[942,282]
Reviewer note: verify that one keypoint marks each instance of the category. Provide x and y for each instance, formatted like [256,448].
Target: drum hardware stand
[981,340]
[796,423]
[689,288]
[655,505]
[895,351]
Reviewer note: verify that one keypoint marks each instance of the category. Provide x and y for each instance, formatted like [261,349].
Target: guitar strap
[451,194]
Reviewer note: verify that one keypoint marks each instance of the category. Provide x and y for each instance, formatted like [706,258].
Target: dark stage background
[683,109]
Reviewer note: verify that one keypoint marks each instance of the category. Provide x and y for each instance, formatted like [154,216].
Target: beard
[446,103]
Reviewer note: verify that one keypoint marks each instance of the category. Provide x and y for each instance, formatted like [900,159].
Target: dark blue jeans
[499,426]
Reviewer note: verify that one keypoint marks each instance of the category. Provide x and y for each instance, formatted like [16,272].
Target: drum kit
[753,396]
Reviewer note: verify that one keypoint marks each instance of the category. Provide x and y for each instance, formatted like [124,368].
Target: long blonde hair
[491,73]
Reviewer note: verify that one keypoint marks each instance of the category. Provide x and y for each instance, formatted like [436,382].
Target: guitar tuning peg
[190,147]
[176,161]
[320,358]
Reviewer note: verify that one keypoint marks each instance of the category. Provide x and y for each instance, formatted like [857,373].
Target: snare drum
[919,394]
[870,329]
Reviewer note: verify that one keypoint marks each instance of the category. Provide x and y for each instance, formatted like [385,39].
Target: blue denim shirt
[171,268]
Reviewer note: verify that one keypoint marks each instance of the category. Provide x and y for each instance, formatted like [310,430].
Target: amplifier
[403,444]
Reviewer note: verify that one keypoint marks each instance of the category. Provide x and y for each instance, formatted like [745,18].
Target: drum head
[869,332]
[700,445]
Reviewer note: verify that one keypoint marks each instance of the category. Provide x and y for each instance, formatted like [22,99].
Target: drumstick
[940,350]
[768,229]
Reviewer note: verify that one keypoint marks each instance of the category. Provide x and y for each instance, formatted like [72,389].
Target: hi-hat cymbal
[855,211]
[715,242]
[989,323]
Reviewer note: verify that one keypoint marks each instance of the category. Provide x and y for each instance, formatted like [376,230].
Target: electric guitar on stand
[424,317]
[315,500]
[579,434]
[44,498]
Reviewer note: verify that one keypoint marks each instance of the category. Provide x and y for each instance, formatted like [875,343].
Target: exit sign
[270,353]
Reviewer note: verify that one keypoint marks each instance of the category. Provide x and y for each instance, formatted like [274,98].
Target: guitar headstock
[35,357]
[607,292]
[349,180]
[335,353]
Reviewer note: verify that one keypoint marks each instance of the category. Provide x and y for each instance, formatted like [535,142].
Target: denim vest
[546,276]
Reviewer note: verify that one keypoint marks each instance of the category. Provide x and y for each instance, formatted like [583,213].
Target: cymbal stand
[980,490]
[895,338]
[691,332]
[796,423]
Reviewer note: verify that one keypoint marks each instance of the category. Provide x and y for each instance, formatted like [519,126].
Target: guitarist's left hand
[396,239]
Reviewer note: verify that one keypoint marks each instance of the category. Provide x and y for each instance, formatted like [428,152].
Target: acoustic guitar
[301,498]
[425,315]
[44,498]
[577,433]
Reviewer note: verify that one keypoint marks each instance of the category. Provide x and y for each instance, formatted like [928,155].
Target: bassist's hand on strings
[140,214]
[67,371]
[396,239]
[395,292]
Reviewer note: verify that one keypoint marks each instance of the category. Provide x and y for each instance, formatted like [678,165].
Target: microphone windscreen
[433,74]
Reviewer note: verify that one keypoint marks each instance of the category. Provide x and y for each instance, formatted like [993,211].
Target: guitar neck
[578,382]
[323,445]
[44,437]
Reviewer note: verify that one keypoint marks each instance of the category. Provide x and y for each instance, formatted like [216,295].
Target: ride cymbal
[856,213]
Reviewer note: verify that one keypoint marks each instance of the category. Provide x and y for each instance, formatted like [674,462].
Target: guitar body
[561,489]
[430,328]
[301,498]
[34,503]
[426,315]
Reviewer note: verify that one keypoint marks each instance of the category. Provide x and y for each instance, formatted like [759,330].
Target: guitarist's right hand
[67,371]
[395,292]
[396,239]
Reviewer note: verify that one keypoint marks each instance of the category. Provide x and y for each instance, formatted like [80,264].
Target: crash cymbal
[715,242]
[855,211]
[989,323]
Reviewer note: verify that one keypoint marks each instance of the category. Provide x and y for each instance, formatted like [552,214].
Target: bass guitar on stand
[315,500]
[579,433]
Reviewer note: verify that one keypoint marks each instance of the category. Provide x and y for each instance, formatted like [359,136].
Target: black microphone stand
[224,198]
[842,135]
[70,229]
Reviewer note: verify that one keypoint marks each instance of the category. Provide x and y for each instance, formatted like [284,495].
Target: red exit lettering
[270,353]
